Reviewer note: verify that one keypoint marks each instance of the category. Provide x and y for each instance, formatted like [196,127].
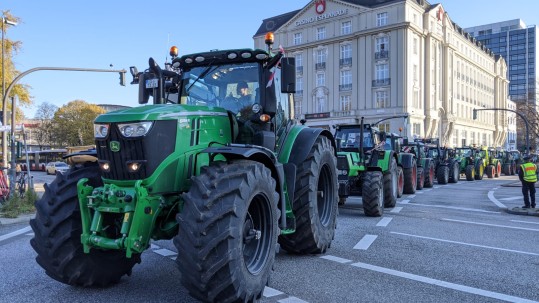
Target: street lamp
[4,103]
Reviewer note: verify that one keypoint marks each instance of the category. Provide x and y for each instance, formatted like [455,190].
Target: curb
[24,217]
[524,211]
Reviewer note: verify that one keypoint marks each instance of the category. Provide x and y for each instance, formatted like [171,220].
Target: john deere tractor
[493,165]
[407,163]
[471,163]
[366,169]
[226,179]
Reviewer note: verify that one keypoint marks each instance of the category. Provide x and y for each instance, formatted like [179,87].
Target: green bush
[16,205]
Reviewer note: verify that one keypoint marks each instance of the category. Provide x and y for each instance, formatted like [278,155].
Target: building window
[382,47]
[381,19]
[346,80]
[299,63]
[346,54]
[382,99]
[381,76]
[345,104]
[298,108]
[346,27]
[415,72]
[297,38]
[384,127]
[417,130]
[415,46]
[320,33]
[299,86]
[320,59]
[320,79]
[321,104]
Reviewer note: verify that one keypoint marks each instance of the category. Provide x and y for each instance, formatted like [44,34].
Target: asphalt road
[451,243]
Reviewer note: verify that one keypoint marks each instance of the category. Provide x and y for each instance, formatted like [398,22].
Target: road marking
[336,259]
[292,300]
[524,222]
[457,208]
[487,224]
[495,201]
[468,244]
[396,210]
[454,286]
[15,233]
[425,190]
[436,187]
[411,196]
[404,202]
[419,192]
[384,221]
[511,198]
[365,242]
[271,292]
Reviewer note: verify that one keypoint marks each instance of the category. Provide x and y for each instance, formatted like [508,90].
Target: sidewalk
[38,187]
[520,210]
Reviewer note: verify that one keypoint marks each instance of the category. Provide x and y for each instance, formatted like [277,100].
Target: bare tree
[531,112]
[44,134]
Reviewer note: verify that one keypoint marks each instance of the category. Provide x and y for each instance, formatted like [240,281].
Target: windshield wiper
[203,74]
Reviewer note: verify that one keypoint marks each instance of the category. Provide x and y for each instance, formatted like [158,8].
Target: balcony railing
[381,54]
[381,82]
[345,61]
[345,87]
[321,65]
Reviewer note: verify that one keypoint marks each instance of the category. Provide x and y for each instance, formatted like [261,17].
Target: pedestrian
[528,177]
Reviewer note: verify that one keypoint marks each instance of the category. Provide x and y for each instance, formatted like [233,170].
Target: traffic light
[122,78]
[475,114]
[18,152]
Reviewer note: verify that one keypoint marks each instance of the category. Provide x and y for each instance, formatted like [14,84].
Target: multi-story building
[511,142]
[376,59]
[517,43]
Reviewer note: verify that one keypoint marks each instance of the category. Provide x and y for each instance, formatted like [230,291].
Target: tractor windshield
[231,86]
[351,138]
[464,152]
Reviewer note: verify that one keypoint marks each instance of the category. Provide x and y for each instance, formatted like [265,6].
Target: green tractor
[366,169]
[509,164]
[471,163]
[425,165]
[228,180]
[407,163]
[446,165]
[493,165]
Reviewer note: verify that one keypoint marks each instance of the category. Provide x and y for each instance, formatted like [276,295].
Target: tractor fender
[266,157]
[406,160]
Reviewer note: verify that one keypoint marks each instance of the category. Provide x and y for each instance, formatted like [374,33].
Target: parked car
[52,167]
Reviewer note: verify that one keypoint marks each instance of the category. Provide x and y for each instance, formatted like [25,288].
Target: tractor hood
[159,112]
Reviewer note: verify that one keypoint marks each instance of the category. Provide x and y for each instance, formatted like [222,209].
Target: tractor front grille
[342,168]
[149,150]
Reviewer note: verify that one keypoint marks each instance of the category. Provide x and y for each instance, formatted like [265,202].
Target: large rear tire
[442,175]
[315,201]
[373,194]
[490,171]
[429,176]
[57,230]
[454,173]
[410,179]
[228,232]
[506,169]
[479,171]
[420,178]
[400,178]
[391,184]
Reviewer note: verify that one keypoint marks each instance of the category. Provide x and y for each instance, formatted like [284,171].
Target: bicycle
[20,185]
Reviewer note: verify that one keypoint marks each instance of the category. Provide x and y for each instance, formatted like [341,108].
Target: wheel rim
[324,195]
[401,181]
[257,231]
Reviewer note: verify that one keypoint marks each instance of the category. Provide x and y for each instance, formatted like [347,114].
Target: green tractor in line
[471,163]
[446,165]
[228,180]
[407,163]
[425,165]
[509,163]
[493,165]
[365,168]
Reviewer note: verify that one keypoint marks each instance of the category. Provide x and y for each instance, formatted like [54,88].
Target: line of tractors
[382,166]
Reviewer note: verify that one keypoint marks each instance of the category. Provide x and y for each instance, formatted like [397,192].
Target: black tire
[420,178]
[391,184]
[410,179]
[228,232]
[513,169]
[442,175]
[57,229]
[373,194]
[429,175]
[400,182]
[315,201]
[454,173]
[470,173]
[490,171]
[479,171]
[506,169]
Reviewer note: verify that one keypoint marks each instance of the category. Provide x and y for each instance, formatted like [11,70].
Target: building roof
[274,23]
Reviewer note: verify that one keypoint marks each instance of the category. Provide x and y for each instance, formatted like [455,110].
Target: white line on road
[15,233]
[524,222]
[511,198]
[396,210]
[335,259]
[420,192]
[271,292]
[292,300]
[384,221]
[495,201]
[436,187]
[404,202]
[425,190]
[487,224]
[411,196]
[457,208]
[458,287]
[365,242]
[468,244]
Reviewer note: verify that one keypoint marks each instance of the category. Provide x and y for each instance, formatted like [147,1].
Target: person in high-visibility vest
[528,177]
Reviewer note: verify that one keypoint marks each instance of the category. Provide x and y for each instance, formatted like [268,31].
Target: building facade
[376,59]
[517,43]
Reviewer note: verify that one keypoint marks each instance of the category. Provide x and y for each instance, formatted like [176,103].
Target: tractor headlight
[137,129]
[101,130]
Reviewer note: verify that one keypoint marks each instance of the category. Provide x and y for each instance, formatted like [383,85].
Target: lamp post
[4,103]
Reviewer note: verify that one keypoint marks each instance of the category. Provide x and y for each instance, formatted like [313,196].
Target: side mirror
[143,93]
[288,75]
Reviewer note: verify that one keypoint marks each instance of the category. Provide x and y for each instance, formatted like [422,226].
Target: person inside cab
[245,97]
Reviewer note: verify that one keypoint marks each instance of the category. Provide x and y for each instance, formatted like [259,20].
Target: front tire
[400,178]
[442,175]
[410,179]
[373,194]
[315,201]
[228,232]
[58,227]
[454,174]
[429,178]
[470,173]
